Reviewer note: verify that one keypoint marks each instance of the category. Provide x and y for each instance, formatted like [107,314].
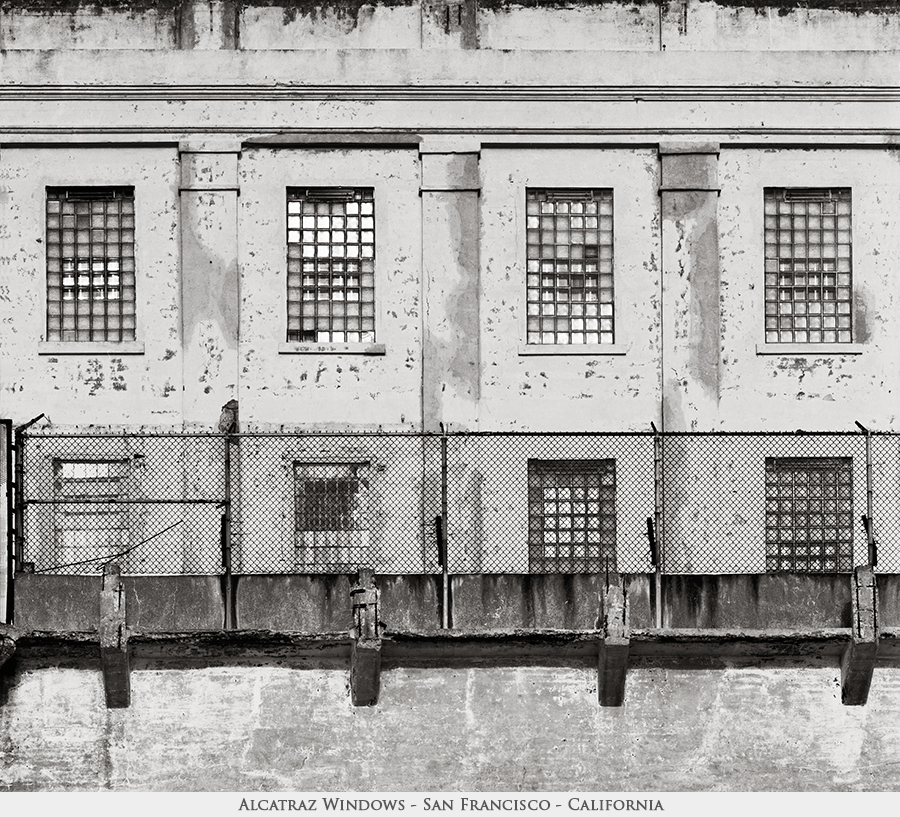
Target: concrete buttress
[614,644]
[114,639]
[365,649]
[858,660]
[209,202]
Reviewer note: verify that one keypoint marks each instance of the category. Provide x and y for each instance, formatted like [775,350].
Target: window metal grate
[808,266]
[572,515]
[809,514]
[90,264]
[331,515]
[331,265]
[570,266]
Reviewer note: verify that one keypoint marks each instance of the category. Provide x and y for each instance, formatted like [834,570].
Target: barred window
[809,513]
[570,266]
[331,515]
[89,527]
[808,266]
[90,264]
[331,265]
[571,516]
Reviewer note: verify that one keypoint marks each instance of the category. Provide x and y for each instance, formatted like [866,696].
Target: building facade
[446,395]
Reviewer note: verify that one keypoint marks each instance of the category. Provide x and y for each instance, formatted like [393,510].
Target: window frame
[372,347]
[794,347]
[63,347]
[360,505]
[842,469]
[538,561]
[528,348]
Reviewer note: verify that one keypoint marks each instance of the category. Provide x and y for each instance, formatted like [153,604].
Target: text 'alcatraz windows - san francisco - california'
[808,265]
[331,265]
[569,251]
[90,264]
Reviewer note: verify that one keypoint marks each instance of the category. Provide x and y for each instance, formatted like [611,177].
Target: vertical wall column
[209,25]
[209,275]
[451,228]
[449,24]
[691,313]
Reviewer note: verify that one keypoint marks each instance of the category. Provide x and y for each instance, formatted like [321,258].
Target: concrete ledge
[757,601]
[294,603]
[166,603]
[63,603]
[685,648]
[484,602]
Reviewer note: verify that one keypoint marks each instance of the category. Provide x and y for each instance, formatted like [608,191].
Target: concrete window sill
[589,349]
[372,349]
[90,347]
[810,348]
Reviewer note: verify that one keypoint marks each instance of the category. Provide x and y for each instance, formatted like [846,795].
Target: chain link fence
[155,503]
[480,502]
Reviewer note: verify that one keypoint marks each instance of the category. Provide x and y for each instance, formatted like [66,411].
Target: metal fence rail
[480,502]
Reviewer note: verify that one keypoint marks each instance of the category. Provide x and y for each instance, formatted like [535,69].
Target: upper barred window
[90,264]
[570,266]
[808,266]
[331,265]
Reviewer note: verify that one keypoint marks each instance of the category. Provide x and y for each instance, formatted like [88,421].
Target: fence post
[445,577]
[658,522]
[228,424]
[7,516]
[868,519]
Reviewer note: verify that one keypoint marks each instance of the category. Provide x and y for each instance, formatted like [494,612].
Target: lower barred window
[809,514]
[572,516]
[331,515]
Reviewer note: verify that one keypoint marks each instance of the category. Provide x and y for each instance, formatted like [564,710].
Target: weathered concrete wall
[562,388]
[793,390]
[578,26]
[47,24]
[323,386]
[480,603]
[355,24]
[784,600]
[813,26]
[78,383]
[592,25]
[290,727]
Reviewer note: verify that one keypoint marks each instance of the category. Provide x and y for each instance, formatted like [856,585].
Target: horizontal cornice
[449,93]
